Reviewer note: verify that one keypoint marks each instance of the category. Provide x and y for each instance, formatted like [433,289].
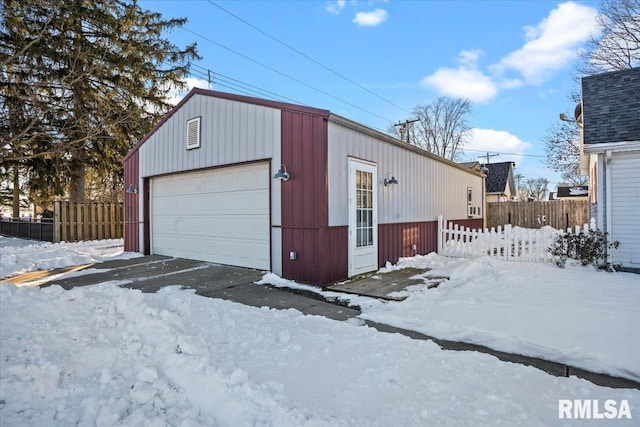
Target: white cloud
[462,82]
[336,7]
[552,44]
[469,58]
[176,96]
[466,81]
[491,141]
[370,19]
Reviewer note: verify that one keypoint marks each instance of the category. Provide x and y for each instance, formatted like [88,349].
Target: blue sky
[514,59]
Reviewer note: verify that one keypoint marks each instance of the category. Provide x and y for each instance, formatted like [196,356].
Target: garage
[263,184]
[218,215]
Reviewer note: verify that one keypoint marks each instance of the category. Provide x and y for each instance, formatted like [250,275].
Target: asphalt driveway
[151,273]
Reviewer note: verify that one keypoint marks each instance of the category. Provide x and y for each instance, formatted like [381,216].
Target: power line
[284,74]
[252,90]
[304,55]
[502,152]
[207,73]
[245,88]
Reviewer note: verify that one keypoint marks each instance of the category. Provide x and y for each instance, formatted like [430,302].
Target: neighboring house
[298,191]
[576,192]
[499,182]
[611,138]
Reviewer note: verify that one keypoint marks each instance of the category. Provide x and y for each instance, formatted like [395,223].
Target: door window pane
[364,208]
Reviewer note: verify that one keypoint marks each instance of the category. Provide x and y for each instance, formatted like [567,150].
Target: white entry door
[363,217]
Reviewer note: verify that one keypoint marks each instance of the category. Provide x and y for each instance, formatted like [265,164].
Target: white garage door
[219,215]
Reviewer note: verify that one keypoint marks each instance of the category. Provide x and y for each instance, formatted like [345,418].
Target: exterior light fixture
[393,180]
[578,116]
[282,174]
[132,189]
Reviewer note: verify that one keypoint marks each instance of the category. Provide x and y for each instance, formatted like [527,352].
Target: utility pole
[405,129]
[489,155]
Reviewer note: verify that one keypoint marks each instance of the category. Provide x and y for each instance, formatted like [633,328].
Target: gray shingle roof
[611,107]
[497,176]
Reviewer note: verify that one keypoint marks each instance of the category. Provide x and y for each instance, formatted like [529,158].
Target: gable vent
[193,133]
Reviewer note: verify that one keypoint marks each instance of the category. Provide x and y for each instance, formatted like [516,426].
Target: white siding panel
[426,187]
[625,207]
[276,250]
[232,132]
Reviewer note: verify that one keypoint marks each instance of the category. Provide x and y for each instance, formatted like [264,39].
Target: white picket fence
[508,243]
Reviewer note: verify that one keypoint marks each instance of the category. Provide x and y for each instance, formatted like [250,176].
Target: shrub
[587,247]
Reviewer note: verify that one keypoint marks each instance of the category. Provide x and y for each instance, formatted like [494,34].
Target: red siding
[304,153]
[305,204]
[131,204]
[322,254]
[333,253]
[397,240]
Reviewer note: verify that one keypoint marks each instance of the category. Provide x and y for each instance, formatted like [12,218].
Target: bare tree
[571,178]
[617,46]
[562,145]
[518,179]
[441,126]
[535,189]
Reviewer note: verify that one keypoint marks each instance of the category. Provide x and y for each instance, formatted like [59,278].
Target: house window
[364,209]
[469,195]
[193,133]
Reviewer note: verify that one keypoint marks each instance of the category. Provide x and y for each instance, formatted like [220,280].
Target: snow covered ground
[103,355]
[577,315]
[20,255]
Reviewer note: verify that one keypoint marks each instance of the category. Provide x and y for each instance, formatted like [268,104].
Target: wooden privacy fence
[559,214]
[87,221]
[509,244]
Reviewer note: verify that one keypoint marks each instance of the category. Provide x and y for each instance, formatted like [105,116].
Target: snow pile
[273,279]
[19,256]
[578,191]
[101,355]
